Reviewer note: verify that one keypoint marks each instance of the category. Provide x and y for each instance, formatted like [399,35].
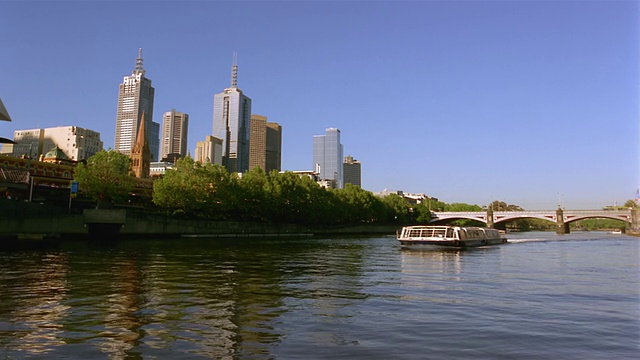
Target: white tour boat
[452,236]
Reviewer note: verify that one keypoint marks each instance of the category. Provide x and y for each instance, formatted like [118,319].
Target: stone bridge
[562,218]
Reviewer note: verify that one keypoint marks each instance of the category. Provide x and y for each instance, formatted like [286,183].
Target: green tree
[183,188]
[434,205]
[502,206]
[200,190]
[399,209]
[322,205]
[361,205]
[288,197]
[422,212]
[105,178]
[462,207]
[254,202]
[630,204]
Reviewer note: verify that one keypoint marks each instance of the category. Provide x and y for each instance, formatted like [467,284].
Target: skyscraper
[258,145]
[232,122]
[273,159]
[352,171]
[135,97]
[266,144]
[174,134]
[327,157]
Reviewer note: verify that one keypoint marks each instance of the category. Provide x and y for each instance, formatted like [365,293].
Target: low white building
[75,142]
[209,151]
[159,168]
[410,197]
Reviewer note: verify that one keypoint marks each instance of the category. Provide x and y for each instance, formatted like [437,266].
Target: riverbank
[26,221]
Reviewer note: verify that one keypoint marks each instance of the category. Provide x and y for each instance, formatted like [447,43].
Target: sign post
[73,192]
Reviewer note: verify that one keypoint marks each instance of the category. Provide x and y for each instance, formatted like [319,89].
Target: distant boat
[448,236]
[616,232]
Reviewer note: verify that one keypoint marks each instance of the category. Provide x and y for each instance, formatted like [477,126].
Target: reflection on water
[36,308]
[321,298]
[129,299]
[442,260]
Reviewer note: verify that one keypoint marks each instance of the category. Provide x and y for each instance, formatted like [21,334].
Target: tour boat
[451,236]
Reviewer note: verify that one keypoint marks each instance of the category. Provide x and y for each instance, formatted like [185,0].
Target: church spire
[234,71]
[140,137]
[140,153]
[139,69]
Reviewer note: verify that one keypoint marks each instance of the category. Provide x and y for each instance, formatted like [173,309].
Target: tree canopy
[210,191]
[105,178]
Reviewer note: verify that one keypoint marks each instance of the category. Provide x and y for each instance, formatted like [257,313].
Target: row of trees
[210,191]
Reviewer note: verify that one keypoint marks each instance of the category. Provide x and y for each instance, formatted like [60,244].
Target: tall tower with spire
[140,154]
[232,122]
[135,97]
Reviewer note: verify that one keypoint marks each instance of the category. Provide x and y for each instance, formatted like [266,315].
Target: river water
[541,296]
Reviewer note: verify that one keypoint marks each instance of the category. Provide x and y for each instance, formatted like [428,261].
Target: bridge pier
[635,220]
[562,228]
[490,223]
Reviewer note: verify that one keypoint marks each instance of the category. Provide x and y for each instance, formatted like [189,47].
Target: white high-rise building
[135,97]
[174,134]
[232,124]
[327,157]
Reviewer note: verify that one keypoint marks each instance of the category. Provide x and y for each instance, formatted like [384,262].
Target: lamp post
[29,172]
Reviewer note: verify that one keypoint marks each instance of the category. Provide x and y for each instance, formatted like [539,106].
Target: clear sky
[533,103]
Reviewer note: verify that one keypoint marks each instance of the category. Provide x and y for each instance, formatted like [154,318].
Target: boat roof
[443,227]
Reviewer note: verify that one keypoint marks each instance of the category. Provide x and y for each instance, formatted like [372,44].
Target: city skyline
[530,103]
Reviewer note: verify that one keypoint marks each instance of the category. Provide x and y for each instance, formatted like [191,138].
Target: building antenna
[234,71]
[139,69]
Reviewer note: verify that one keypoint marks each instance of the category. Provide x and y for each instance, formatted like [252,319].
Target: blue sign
[74,187]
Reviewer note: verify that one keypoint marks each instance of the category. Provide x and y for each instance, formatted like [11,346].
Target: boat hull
[461,244]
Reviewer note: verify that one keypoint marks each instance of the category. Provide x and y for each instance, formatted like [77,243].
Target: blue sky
[527,102]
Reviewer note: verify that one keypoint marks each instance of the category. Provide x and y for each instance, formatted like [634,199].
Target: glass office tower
[327,157]
[232,124]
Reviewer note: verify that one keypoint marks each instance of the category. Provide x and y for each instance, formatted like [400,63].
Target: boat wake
[552,237]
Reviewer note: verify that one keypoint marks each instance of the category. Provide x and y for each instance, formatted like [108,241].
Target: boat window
[449,232]
[439,232]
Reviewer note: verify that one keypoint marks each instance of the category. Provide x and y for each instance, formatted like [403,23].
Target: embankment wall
[17,219]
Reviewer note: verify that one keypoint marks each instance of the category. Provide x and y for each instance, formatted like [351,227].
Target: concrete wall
[19,218]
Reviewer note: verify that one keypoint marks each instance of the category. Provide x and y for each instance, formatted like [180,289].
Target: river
[541,296]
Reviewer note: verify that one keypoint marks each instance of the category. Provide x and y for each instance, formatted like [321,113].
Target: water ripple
[328,298]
